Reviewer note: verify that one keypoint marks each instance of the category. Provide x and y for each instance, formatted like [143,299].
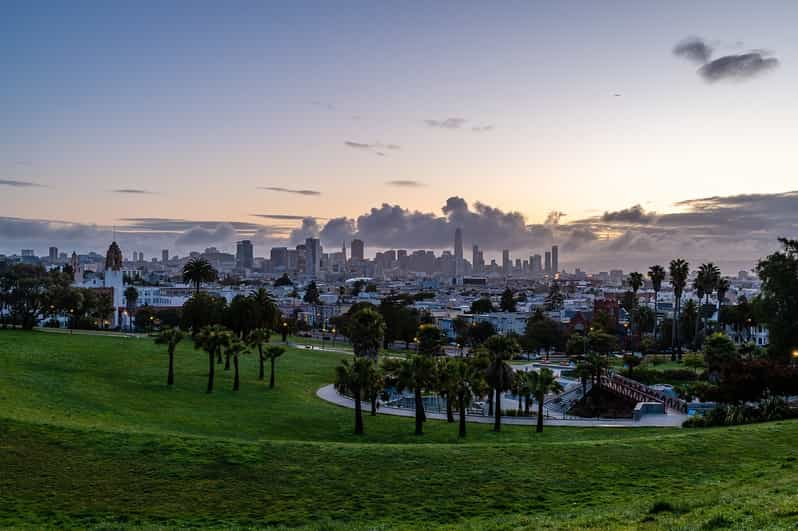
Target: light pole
[285,331]
[795,357]
[71,320]
[333,336]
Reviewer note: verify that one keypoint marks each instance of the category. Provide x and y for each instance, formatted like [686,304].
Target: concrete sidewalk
[329,394]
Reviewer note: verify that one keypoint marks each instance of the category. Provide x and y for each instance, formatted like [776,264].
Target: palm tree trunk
[420,417]
[497,412]
[490,403]
[526,406]
[461,405]
[656,318]
[374,405]
[236,382]
[261,372]
[675,330]
[170,378]
[211,369]
[358,413]
[449,411]
[227,361]
[539,427]
[271,375]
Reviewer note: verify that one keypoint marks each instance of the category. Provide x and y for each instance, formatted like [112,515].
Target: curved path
[329,394]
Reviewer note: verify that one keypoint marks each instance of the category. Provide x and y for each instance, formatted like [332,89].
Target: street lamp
[333,336]
[71,320]
[285,331]
[795,356]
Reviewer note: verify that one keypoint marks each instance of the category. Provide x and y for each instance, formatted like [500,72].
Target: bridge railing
[641,392]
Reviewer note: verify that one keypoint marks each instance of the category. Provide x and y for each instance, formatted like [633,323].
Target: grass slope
[90,435]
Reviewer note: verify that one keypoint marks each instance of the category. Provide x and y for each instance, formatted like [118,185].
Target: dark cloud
[358,145]
[180,225]
[737,67]
[289,190]
[198,236]
[280,216]
[448,123]
[377,147]
[634,214]
[310,228]
[482,128]
[20,184]
[694,49]
[132,191]
[402,183]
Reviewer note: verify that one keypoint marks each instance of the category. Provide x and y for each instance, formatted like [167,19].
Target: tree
[722,288]
[656,274]
[272,353]
[353,378]
[483,305]
[499,374]
[679,269]
[779,299]
[242,315]
[542,333]
[719,352]
[201,310]
[257,339]
[211,339]
[267,314]
[131,298]
[430,340]
[283,281]
[103,308]
[311,294]
[444,383]
[236,348]
[597,364]
[170,337]
[543,383]
[555,299]
[198,270]
[481,331]
[508,301]
[584,372]
[467,380]
[635,282]
[522,388]
[631,361]
[413,373]
[366,329]
[27,294]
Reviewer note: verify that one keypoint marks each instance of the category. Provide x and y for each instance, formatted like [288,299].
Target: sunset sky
[204,114]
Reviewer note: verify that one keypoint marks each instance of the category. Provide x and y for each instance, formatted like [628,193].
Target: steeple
[113,258]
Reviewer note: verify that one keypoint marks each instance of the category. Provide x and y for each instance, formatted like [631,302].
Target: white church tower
[114,278]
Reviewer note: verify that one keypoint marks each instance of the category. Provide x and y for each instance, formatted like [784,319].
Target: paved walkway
[329,394]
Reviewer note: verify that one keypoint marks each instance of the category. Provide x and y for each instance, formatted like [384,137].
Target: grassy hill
[90,435]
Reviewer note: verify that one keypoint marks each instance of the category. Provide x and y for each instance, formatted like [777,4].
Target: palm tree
[707,281]
[272,353]
[131,297]
[543,383]
[444,383]
[700,283]
[467,382]
[596,364]
[257,338]
[366,330]
[584,373]
[635,282]
[353,378]
[522,388]
[235,348]
[722,288]
[414,373]
[211,339]
[499,374]
[268,315]
[656,274]
[198,270]
[679,269]
[375,387]
[170,337]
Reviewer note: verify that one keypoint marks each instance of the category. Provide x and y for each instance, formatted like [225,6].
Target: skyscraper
[313,257]
[278,259]
[458,251]
[53,254]
[244,254]
[555,260]
[536,264]
[506,266]
[475,265]
[357,248]
[547,266]
[165,255]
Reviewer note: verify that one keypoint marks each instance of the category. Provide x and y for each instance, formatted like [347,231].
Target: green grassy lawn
[91,436]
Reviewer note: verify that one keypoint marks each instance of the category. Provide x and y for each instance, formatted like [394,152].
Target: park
[93,436]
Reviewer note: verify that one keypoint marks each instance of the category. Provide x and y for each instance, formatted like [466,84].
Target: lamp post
[71,320]
[285,331]
[333,336]
[795,357]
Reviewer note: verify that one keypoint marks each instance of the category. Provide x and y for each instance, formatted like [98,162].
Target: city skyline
[618,131]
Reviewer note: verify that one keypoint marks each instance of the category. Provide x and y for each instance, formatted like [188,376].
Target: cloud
[280,216]
[358,145]
[738,67]
[448,123]
[289,190]
[376,147]
[633,214]
[482,128]
[20,184]
[728,67]
[405,183]
[132,191]
[222,233]
[310,228]
[694,49]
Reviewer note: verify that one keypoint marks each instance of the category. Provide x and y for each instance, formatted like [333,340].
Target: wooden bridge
[638,392]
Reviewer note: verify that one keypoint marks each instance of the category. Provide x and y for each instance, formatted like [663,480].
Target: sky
[188,124]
